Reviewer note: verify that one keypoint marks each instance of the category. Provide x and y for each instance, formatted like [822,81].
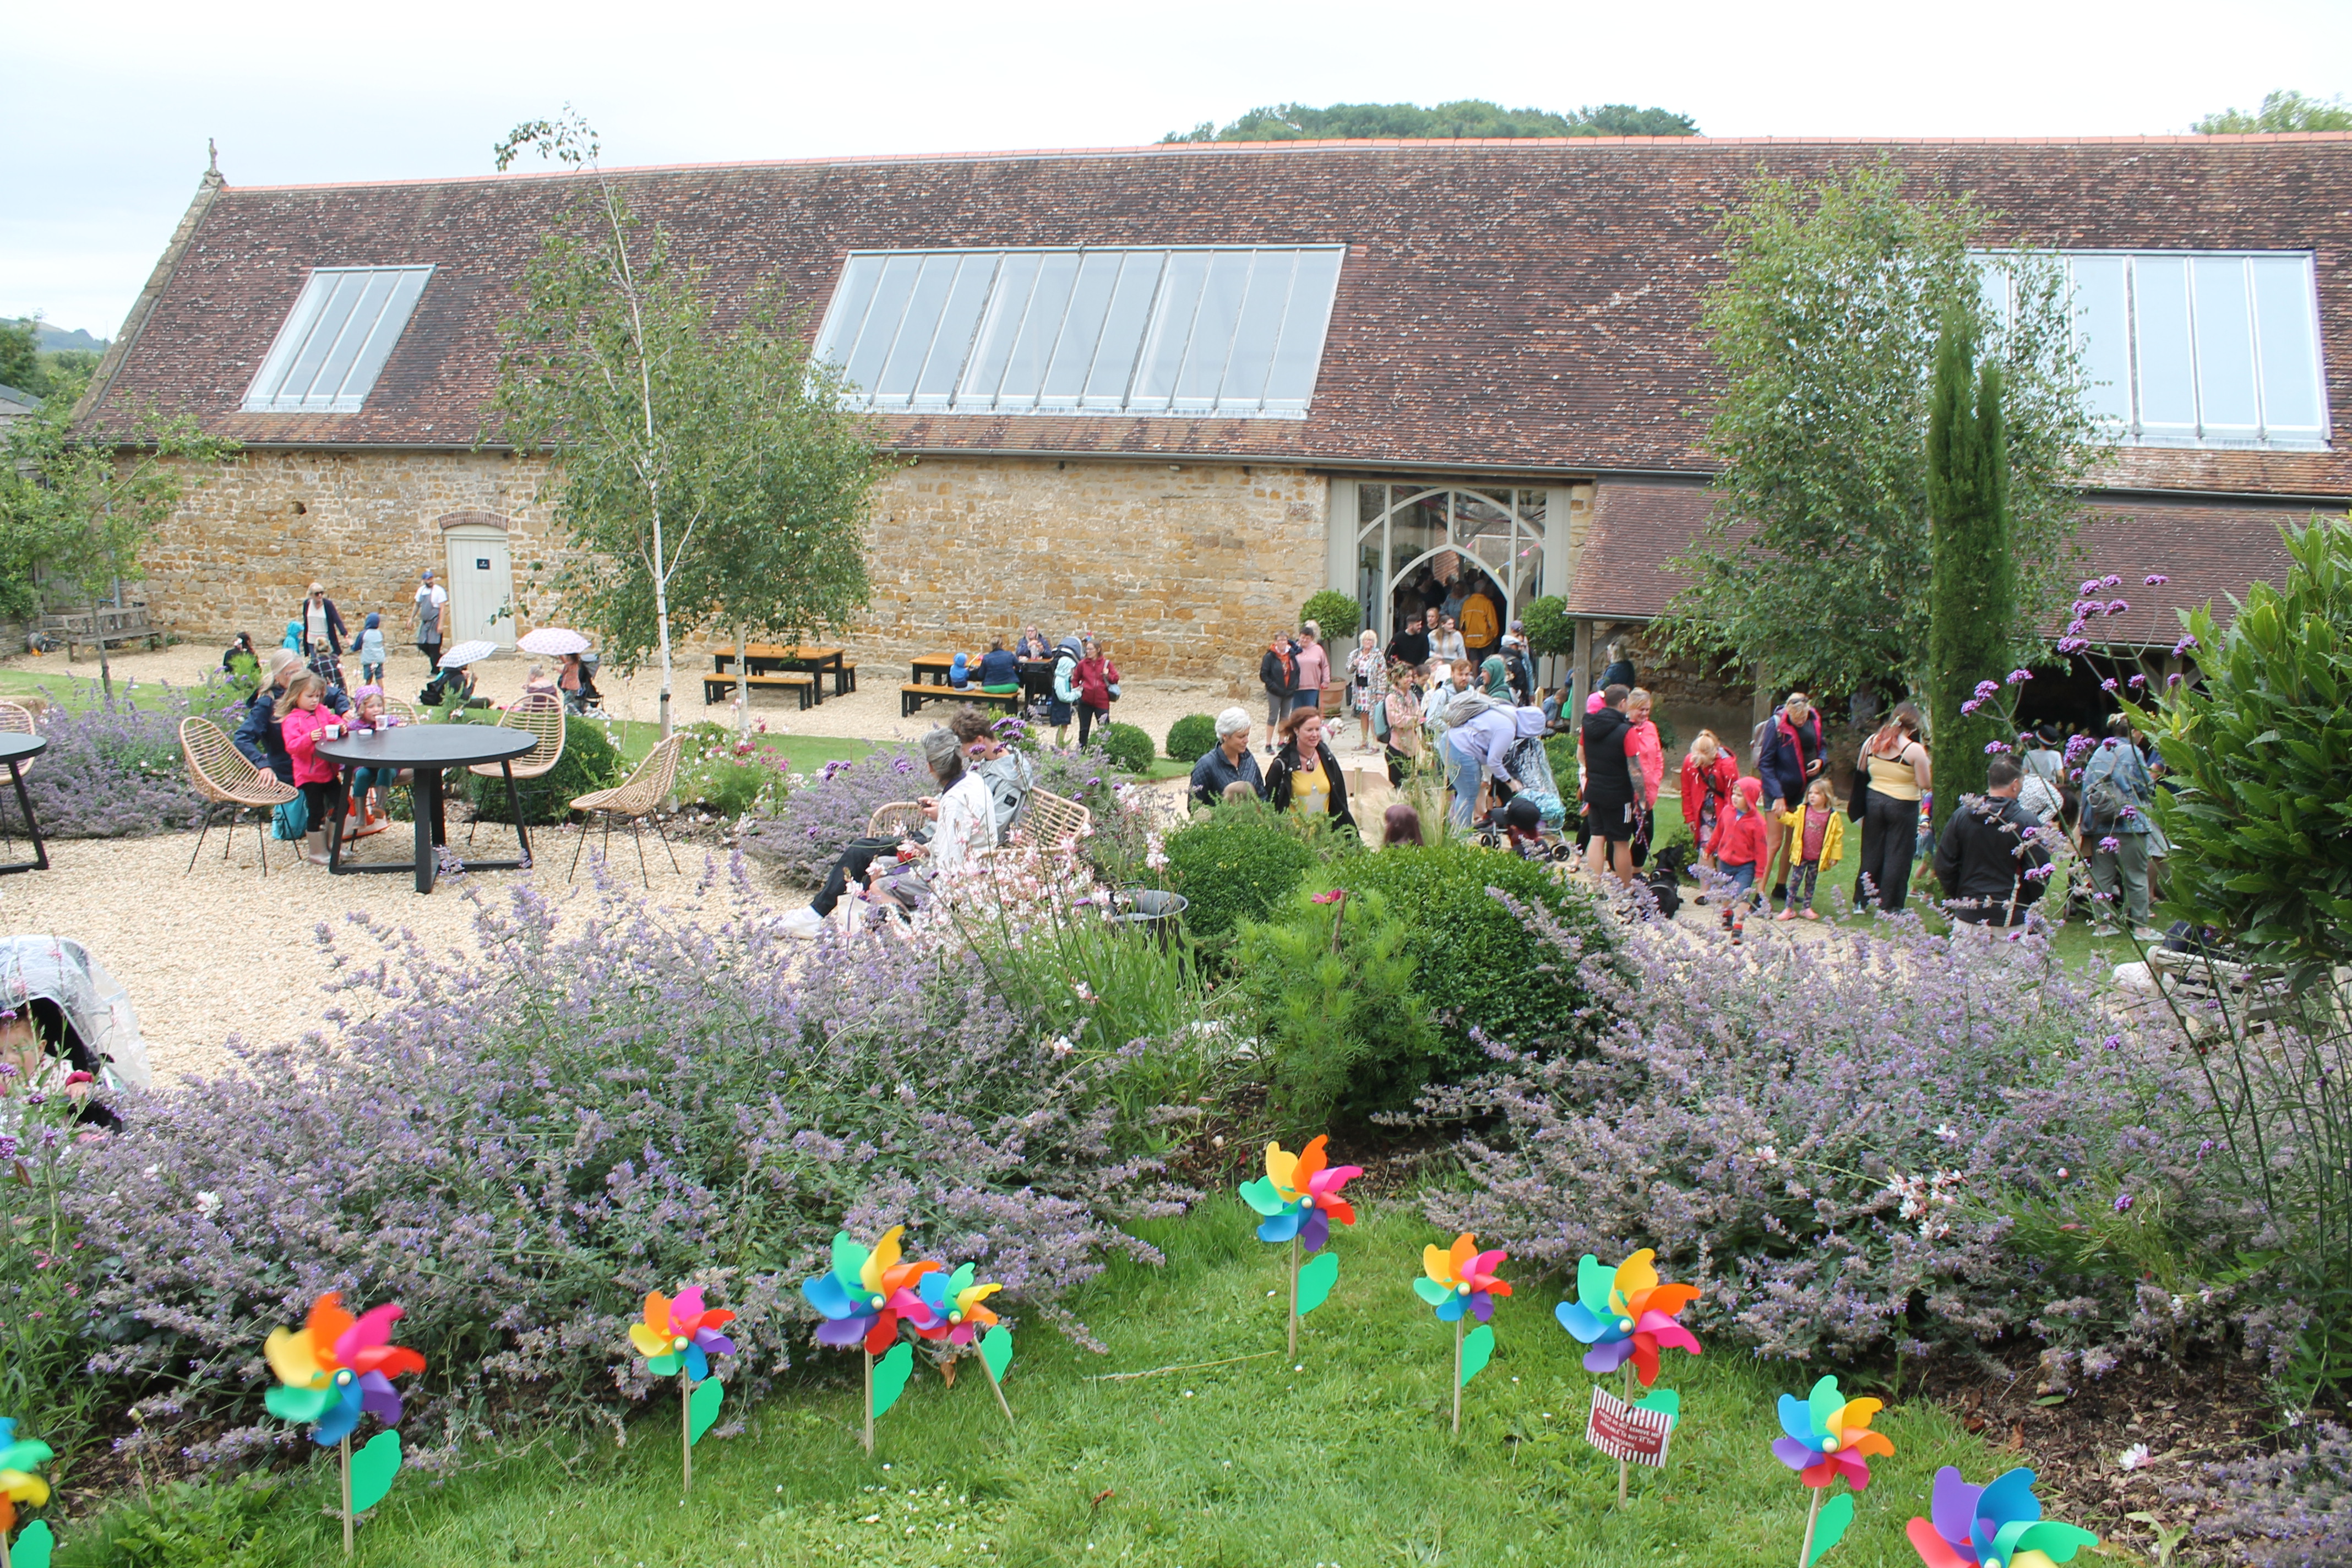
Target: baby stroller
[80,1017]
[586,703]
[1532,781]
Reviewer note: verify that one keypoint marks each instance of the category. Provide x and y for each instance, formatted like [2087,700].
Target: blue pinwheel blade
[828,1296]
[340,1418]
[2009,1498]
[698,1366]
[1587,1328]
[1279,1226]
[1797,1418]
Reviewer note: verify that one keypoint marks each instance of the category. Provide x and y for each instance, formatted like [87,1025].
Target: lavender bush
[115,770]
[2289,1509]
[1823,1137]
[518,1148]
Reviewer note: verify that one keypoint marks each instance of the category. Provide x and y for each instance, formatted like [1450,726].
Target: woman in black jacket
[1305,770]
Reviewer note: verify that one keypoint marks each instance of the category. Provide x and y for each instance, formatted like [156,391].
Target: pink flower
[2157,579]
[2019,677]
[1994,746]
[2172,680]
[2111,581]
[1971,705]
[2183,645]
[2118,607]
[2110,844]
[1333,897]
[2108,684]
[2091,585]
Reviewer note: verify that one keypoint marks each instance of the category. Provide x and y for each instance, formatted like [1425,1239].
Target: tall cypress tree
[1975,581]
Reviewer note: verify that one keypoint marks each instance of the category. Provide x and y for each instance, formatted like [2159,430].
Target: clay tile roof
[2207,551]
[1518,306]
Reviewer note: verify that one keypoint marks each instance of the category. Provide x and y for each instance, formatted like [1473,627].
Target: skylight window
[336,339]
[1184,332]
[2194,348]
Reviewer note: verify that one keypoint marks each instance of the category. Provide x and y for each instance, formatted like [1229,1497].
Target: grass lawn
[1338,1456]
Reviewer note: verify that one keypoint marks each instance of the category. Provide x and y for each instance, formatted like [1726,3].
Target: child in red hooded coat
[1739,847]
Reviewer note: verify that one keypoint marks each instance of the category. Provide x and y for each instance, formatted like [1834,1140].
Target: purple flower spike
[2111,581]
[2108,684]
[2118,607]
[2156,579]
[2019,677]
[2137,681]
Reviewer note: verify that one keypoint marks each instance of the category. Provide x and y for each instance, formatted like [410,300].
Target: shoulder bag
[1859,801]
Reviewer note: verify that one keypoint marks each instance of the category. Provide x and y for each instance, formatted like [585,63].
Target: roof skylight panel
[333,343]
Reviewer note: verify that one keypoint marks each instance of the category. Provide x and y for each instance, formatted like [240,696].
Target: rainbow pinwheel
[336,1366]
[866,1293]
[1461,1279]
[1999,1525]
[681,1333]
[1625,1312]
[1829,1436]
[1299,1194]
[19,1484]
[955,1306]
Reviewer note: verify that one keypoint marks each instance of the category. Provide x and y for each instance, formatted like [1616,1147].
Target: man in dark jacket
[1991,862]
[1788,758]
[1608,789]
[1410,645]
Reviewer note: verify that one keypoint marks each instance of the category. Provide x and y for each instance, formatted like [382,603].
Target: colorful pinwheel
[1626,1312]
[1461,1279]
[335,1366]
[1829,1436]
[19,1484]
[681,1333]
[954,1305]
[866,1293]
[1299,1194]
[1999,1525]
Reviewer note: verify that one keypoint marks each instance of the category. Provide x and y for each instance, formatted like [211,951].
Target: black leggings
[323,801]
[1090,717]
[850,868]
[1890,842]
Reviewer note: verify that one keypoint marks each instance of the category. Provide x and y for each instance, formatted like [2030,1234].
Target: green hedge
[589,762]
[1337,615]
[1129,747]
[1192,737]
[1236,863]
[1479,966]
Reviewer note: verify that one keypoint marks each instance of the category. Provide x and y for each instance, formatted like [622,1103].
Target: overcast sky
[110,103]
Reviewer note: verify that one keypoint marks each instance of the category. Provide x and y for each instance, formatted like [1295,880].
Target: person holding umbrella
[576,680]
[454,686]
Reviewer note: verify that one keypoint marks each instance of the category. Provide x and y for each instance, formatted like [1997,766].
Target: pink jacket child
[301,727]
[1739,848]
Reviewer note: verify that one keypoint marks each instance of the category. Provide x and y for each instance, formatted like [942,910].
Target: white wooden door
[481,585]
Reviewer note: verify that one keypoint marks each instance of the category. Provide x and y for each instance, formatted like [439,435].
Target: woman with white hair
[1369,684]
[1229,761]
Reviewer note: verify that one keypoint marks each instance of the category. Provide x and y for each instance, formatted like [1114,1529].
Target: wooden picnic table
[934,665]
[772,658]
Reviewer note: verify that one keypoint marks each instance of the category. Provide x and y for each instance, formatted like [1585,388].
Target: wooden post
[1805,1553]
[347,1493]
[1457,1377]
[1294,1296]
[992,1383]
[1579,667]
[869,1404]
[686,1430]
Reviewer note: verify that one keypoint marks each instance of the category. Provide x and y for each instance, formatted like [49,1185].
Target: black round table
[16,751]
[428,750]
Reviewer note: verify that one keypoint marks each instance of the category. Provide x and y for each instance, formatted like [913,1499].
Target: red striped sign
[1626,1432]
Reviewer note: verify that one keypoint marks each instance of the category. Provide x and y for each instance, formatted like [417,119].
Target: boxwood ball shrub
[1481,966]
[1339,616]
[1192,737]
[1236,863]
[1129,747]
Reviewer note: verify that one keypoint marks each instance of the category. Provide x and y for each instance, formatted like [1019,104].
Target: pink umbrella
[554,642]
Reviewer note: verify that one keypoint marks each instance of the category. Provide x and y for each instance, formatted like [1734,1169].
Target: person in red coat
[1707,777]
[1739,848]
[1095,677]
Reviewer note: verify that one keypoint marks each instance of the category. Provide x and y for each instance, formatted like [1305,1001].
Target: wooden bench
[845,678]
[717,688]
[914,694]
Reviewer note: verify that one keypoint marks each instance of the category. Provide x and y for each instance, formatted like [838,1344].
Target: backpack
[2103,802]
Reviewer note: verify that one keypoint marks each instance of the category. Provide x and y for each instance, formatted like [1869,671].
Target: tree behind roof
[1975,573]
[1464,118]
[2283,110]
[1817,561]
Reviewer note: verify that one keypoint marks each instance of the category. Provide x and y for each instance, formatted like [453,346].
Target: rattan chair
[1052,820]
[404,712]
[223,777]
[899,819]
[15,719]
[637,797]
[541,714]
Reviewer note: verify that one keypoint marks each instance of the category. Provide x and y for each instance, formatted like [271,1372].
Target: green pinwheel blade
[373,1468]
[890,1374]
[848,1260]
[33,1548]
[1478,1350]
[289,1404]
[1829,1525]
[1315,1277]
[702,1408]
[1594,1281]
[665,1365]
[1431,1291]
[1260,1196]
[996,1350]
[2056,1540]
[960,1281]
[1824,1402]
[27,1455]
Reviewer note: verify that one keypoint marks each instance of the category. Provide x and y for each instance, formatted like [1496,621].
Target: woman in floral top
[1369,669]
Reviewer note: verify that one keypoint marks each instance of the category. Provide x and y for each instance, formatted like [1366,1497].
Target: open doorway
[1428,546]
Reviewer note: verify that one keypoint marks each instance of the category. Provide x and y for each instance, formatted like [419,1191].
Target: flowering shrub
[115,770]
[728,775]
[518,1147]
[2289,1509]
[820,818]
[1823,1148]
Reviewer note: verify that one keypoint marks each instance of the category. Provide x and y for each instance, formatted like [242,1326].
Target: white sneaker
[805,923]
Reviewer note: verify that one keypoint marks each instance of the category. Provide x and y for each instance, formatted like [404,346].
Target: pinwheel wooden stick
[869,1404]
[1457,1377]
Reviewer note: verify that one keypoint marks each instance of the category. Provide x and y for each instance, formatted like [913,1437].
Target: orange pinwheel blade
[1311,1160]
[658,1313]
[1465,1248]
[325,1325]
[1667,1299]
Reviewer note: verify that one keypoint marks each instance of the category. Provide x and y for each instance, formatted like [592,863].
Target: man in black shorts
[1609,814]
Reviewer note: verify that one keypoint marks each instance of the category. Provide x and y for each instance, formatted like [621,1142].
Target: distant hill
[1469,117]
[49,339]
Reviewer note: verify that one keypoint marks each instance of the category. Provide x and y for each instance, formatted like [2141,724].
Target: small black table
[428,750]
[16,751]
